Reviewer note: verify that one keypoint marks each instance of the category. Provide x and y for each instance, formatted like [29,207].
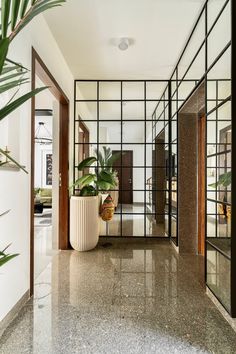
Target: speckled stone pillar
[188,183]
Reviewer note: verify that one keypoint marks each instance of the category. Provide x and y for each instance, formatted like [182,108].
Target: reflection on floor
[134,297]
[43,251]
[133,222]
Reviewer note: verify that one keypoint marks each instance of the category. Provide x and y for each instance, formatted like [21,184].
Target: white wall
[15,186]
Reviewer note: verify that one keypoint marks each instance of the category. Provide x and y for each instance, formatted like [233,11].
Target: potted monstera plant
[85,203]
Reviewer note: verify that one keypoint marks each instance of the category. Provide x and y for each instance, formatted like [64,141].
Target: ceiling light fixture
[42,135]
[124,43]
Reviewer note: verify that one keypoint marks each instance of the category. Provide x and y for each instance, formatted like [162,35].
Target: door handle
[130,180]
[60,179]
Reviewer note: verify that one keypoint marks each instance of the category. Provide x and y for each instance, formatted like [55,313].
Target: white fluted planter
[84,222]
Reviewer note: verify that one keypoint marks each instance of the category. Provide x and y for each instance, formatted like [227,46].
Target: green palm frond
[5,257]
[5,111]
[12,160]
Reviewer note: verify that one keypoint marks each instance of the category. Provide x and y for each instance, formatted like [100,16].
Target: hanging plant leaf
[12,160]
[4,45]
[5,111]
[5,13]
[14,13]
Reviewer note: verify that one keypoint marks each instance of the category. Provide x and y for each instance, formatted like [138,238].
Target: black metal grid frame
[176,82]
[121,143]
[171,98]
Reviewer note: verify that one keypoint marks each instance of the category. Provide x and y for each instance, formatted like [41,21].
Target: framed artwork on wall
[47,168]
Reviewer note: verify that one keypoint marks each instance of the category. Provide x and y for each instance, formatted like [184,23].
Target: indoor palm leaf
[15,15]
[5,257]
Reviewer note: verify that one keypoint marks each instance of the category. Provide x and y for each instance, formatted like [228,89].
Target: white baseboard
[13,312]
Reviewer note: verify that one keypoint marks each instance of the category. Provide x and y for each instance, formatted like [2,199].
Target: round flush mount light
[124,43]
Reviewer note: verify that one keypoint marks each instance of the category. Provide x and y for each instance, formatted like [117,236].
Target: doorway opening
[49,170]
[192,173]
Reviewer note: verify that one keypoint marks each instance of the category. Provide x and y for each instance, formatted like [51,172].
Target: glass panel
[109,132]
[150,109]
[197,69]
[110,110]
[219,36]
[224,111]
[213,10]
[185,89]
[222,68]
[86,90]
[138,153]
[154,90]
[111,228]
[137,207]
[86,111]
[194,44]
[156,228]
[133,90]
[109,90]
[92,130]
[133,132]
[133,225]
[218,275]
[133,110]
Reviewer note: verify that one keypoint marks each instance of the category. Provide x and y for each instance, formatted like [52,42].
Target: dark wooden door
[124,167]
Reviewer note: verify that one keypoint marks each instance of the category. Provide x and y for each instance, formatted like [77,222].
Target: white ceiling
[87,29]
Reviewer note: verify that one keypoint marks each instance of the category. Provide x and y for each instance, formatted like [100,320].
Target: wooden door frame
[40,69]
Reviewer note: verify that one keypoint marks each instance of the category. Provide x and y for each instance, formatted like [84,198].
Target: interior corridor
[124,297]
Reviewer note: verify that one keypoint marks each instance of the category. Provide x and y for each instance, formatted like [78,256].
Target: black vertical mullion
[170,161]
[98,115]
[217,157]
[177,168]
[145,157]
[121,138]
[233,154]
[74,147]
[206,134]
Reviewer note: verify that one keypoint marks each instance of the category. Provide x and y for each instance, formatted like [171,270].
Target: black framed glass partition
[140,119]
[207,59]
[127,118]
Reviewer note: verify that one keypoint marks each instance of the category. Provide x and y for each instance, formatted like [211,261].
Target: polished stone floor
[43,250]
[123,297]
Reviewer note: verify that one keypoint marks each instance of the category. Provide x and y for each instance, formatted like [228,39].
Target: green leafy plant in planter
[15,15]
[91,183]
[106,159]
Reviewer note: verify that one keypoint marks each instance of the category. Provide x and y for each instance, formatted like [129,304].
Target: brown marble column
[188,183]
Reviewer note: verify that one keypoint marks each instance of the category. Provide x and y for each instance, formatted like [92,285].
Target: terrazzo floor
[123,297]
